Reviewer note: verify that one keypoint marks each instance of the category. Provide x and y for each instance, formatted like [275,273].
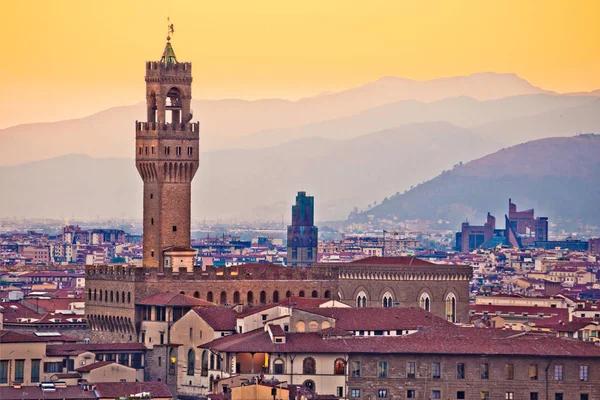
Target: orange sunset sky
[70,58]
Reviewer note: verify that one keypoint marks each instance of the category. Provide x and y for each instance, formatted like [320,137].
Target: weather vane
[170,29]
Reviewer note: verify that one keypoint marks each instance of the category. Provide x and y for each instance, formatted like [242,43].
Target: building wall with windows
[472,377]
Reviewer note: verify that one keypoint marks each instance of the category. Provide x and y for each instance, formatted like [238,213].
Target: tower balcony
[164,130]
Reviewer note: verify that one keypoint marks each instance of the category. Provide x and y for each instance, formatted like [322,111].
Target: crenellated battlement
[113,272]
[157,129]
[246,272]
[157,67]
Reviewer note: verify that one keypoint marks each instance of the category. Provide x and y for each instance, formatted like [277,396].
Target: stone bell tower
[167,160]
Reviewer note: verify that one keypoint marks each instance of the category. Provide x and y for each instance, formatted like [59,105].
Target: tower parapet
[167,156]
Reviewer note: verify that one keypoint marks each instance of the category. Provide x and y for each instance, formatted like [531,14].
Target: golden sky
[66,58]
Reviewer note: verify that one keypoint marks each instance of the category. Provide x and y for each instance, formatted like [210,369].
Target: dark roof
[118,389]
[35,393]
[174,299]
[435,340]
[27,337]
[277,330]
[219,318]
[96,365]
[378,318]
[78,348]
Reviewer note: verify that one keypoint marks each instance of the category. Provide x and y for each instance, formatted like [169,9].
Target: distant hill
[110,133]
[556,176]
[517,112]
[250,184]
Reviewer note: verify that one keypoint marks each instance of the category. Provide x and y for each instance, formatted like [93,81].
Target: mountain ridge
[541,174]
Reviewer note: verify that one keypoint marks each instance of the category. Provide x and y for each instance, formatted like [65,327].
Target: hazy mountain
[460,111]
[250,184]
[558,122]
[556,176]
[110,133]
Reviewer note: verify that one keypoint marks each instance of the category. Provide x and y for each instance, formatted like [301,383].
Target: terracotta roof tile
[427,341]
[379,318]
[118,389]
[96,365]
[219,318]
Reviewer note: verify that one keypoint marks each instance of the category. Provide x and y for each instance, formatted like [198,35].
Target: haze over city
[322,200]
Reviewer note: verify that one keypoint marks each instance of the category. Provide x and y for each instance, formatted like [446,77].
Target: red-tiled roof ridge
[93,366]
[430,340]
[379,318]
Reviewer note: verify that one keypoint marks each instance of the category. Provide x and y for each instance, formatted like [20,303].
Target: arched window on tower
[361,299]
[425,302]
[387,300]
[173,106]
[263,297]
[236,297]
[250,298]
[451,307]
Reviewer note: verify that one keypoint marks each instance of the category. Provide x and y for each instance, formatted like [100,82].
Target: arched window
[387,300]
[172,361]
[339,367]
[325,325]
[129,297]
[301,294]
[309,385]
[288,294]
[204,371]
[236,297]
[101,295]
[123,297]
[300,326]
[313,326]
[361,299]
[89,294]
[197,294]
[223,297]
[191,362]
[112,297]
[263,297]
[327,294]
[212,361]
[209,296]
[275,296]
[250,298]
[309,367]
[95,293]
[106,295]
[278,367]
[425,302]
[451,307]
[117,296]
[314,294]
